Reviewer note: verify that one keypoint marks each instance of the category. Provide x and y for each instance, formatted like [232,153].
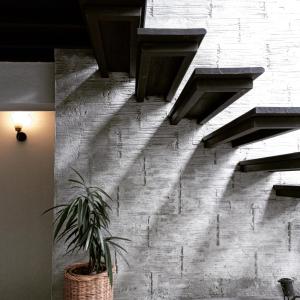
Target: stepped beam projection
[292,191]
[163,57]
[210,90]
[286,162]
[112,26]
[258,124]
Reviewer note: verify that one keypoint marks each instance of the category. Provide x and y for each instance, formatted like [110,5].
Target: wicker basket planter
[83,225]
[86,287]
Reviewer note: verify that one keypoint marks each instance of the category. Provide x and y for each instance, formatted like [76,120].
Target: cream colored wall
[26,190]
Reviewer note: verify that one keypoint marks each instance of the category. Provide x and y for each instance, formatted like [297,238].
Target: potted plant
[83,224]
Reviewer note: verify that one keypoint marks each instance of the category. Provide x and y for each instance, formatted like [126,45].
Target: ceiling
[31,29]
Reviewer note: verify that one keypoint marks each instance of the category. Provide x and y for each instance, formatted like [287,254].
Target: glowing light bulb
[21,119]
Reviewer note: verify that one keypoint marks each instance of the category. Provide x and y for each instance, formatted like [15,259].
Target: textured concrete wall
[198,227]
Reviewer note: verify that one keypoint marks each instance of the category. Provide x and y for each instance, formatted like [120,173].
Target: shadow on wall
[194,230]
[88,138]
[162,176]
[236,238]
[202,249]
[79,115]
[116,145]
[171,216]
[85,112]
[150,189]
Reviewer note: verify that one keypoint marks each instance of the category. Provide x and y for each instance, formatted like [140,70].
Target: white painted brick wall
[198,228]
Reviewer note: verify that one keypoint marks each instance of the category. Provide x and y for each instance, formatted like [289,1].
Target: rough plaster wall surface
[199,228]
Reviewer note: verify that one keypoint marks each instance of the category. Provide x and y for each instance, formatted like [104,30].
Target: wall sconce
[21,119]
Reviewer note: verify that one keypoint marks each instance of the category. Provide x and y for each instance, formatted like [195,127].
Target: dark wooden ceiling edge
[40,26]
[289,156]
[27,55]
[44,36]
[113,2]
[50,45]
[52,11]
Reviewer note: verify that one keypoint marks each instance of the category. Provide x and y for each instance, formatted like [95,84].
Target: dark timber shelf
[210,90]
[113,27]
[163,58]
[292,191]
[287,162]
[257,124]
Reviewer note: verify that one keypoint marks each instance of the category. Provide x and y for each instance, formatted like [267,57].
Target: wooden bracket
[209,91]
[287,162]
[164,56]
[113,31]
[258,124]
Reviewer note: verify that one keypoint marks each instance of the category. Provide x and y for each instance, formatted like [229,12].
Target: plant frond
[53,208]
[79,175]
[83,224]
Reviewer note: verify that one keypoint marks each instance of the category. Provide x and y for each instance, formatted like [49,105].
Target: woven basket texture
[86,287]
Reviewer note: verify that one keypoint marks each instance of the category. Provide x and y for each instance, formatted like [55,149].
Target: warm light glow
[21,119]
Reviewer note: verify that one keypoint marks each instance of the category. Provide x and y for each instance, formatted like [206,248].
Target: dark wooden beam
[163,57]
[43,36]
[113,31]
[210,90]
[287,162]
[41,12]
[292,191]
[31,30]
[36,42]
[257,124]
[27,54]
